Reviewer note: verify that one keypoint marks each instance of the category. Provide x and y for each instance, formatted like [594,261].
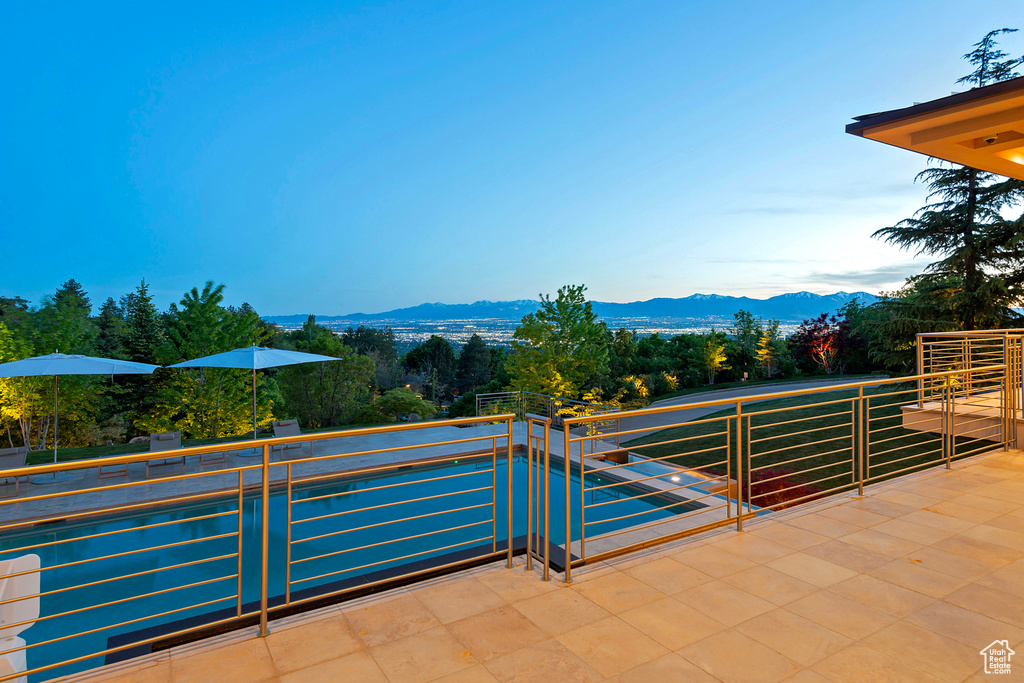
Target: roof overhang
[981,128]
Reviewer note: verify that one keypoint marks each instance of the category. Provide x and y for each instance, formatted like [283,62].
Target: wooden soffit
[981,128]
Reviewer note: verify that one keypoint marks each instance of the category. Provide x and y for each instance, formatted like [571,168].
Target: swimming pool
[156,571]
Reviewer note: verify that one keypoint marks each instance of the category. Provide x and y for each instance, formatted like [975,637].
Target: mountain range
[785,307]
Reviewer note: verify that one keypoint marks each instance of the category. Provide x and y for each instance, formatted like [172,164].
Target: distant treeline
[371,382]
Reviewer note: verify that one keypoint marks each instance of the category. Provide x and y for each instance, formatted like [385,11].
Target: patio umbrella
[252,358]
[58,364]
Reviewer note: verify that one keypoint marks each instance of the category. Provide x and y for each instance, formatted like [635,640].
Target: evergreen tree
[979,258]
[474,367]
[71,293]
[111,330]
[143,336]
[63,322]
[144,330]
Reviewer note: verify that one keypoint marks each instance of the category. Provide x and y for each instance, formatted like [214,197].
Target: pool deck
[136,488]
[907,583]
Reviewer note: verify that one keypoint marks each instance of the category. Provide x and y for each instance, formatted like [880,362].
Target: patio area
[907,583]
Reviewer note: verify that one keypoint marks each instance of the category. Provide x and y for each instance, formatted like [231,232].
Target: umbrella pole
[54,476]
[254,404]
[56,418]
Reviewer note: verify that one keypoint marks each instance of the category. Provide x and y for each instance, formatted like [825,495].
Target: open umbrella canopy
[63,364]
[252,358]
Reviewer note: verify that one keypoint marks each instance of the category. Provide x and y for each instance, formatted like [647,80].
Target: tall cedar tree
[963,225]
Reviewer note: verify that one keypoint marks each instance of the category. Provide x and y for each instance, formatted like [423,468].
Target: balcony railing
[756,454]
[153,561]
[149,562]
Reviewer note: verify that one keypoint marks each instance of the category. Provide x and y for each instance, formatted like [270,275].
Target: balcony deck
[979,416]
[908,583]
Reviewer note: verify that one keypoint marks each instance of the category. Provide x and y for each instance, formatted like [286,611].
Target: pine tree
[979,259]
[474,364]
[71,293]
[143,336]
[144,332]
[111,326]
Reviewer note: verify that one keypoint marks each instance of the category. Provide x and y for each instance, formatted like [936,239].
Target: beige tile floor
[908,583]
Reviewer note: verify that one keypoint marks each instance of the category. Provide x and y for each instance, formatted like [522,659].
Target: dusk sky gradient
[342,157]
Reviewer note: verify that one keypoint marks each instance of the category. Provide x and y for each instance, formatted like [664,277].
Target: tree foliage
[325,394]
[378,345]
[557,349]
[436,363]
[474,366]
[402,402]
[713,357]
[978,249]
[207,402]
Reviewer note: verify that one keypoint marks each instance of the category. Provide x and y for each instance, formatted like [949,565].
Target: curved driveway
[653,423]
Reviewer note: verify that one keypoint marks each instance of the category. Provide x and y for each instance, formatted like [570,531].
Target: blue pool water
[366,538]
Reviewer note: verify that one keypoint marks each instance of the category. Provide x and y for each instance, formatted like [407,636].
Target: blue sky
[341,157]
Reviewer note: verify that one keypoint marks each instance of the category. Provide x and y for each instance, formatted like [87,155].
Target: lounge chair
[11,458]
[19,606]
[288,428]
[165,441]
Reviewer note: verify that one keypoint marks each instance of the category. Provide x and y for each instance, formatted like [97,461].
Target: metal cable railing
[122,568]
[746,456]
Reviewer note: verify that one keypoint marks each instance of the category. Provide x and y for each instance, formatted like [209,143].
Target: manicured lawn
[767,383]
[802,446]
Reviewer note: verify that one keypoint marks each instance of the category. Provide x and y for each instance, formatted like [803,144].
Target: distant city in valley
[495,321]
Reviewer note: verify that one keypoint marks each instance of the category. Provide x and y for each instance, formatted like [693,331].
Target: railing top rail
[92,463]
[570,401]
[570,421]
[975,333]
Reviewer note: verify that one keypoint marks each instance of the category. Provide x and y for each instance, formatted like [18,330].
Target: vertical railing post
[529,493]
[494,494]
[288,533]
[568,505]
[861,444]
[241,529]
[583,499]
[265,539]
[547,499]
[508,472]
[951,425]
[739,468]
[920,371]
[1004,425]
